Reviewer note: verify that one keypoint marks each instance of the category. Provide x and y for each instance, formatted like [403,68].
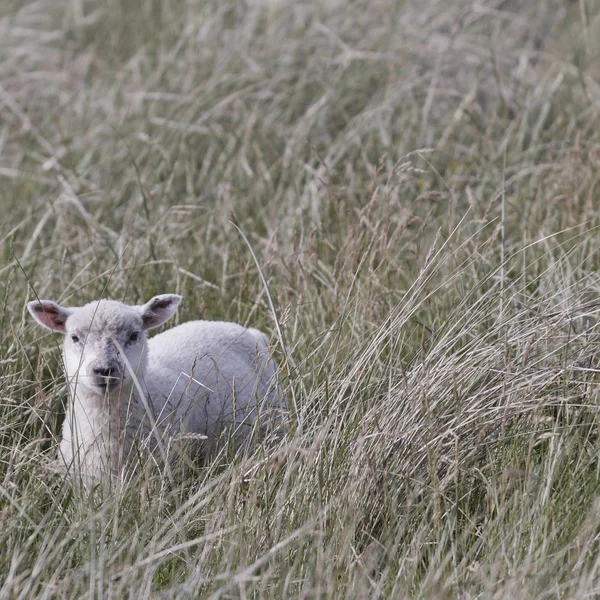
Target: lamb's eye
[134,337]
[75,339]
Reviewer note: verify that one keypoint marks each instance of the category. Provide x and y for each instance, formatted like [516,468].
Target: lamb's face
[104,341]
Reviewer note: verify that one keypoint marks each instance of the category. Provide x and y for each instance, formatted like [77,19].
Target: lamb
[130,396]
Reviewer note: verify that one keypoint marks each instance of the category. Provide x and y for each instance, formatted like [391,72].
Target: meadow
[406,195]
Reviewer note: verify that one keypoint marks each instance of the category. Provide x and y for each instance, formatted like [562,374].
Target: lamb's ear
[159,309]
[49,314]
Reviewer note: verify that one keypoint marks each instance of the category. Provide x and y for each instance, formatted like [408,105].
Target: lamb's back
[206,342]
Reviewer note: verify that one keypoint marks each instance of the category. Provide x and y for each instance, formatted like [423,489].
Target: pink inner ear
[151,319]
[50,315]
[159,310]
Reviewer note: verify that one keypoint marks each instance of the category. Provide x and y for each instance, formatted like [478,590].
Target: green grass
[418,181]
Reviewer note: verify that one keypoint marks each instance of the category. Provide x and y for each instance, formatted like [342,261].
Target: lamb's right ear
[49,314]
[159,309]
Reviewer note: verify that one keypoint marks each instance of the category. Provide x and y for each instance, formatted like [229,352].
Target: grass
[418,182]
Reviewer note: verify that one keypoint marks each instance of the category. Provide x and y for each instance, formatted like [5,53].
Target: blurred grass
[382,158]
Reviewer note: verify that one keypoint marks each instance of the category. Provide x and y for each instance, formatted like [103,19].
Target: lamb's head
[98,334]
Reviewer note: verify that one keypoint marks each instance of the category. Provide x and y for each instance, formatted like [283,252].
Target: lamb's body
[202,378]
[210,374]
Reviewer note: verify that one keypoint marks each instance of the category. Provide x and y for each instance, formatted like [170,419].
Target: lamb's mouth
[107,384]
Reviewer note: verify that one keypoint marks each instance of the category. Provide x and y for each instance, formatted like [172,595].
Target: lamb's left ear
[159,309]
[49,314]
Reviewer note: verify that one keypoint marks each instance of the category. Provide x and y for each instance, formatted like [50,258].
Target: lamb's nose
[102,372]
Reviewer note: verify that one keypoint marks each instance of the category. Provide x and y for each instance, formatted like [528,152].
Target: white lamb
[201,377]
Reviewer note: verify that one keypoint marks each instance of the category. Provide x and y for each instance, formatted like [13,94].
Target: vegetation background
[419,182]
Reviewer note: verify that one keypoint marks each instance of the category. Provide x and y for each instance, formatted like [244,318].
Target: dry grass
[419,183]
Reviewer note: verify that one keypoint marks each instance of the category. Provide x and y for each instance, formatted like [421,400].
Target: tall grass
[418,182]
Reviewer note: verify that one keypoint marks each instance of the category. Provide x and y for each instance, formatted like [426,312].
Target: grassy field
[420,184]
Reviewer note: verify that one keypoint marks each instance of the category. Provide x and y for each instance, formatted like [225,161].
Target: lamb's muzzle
[107,378]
